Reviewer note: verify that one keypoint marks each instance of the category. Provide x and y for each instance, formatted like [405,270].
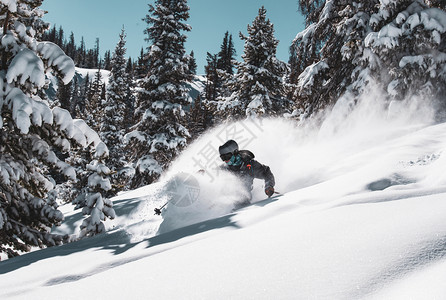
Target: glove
[269,191]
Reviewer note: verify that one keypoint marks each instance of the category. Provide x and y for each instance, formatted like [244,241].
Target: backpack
[246,155]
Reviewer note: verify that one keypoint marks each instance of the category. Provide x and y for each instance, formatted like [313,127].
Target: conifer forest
[70,136]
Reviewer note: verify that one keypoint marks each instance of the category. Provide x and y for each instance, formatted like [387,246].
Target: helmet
[227,149]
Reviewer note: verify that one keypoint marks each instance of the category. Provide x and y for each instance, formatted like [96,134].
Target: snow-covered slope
[80,75]
[361,216]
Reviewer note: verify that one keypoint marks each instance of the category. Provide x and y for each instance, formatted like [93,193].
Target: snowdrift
[361,216]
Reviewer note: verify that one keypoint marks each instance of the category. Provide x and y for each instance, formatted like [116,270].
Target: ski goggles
[226,156]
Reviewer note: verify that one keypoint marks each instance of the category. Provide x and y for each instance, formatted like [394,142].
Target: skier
[242,164]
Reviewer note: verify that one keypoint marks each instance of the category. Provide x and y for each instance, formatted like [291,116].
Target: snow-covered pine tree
[80,93]
[140,68]
[96,207]
[409,42]
[64,95]
[220,79]
[348,44]
[115,112]
[325,56]
[198,118]
[213,80]
[94,103]
[76,97]
[259,79]
[219,70]
[160,134]
[192,63]
[31,133]
[130,92]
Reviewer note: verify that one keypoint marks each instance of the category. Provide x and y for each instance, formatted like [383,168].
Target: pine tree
[32,135]
[130,95]
[115,111]
[160,134]
[51,35]
[141,65]
[95,96]
[107,61]
[60,38]
[76,98]
[71,47]
[258,82]
[347,45]
[409,42]
[226,56]
[192,63]
[82,106]
[64,94]
[220,79]
[325,56]
[82,53]
[198,118]
[96,58]
[212,77]
[90,59]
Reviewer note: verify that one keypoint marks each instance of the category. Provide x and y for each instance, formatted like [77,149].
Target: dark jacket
[250,169]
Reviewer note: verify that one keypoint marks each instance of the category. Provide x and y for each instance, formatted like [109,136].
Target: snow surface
[105,74]
[362,216]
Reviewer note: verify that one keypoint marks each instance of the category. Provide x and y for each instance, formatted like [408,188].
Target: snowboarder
[242,164]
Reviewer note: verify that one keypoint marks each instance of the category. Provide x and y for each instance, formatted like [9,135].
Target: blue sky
[209,19]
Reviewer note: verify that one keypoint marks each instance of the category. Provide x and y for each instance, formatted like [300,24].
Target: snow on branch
[306,79]
[11,4]
[26,65]
[57,59]
[26,110]
[79,131]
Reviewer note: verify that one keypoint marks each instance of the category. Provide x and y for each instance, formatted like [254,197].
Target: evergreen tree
[130,95]
[160,134]
[90,59]
[60,38]
[325,55]
[212,77]
[80,97]
[107,61]
[220,79]
[95,97]
[198,118]
[409,42]
[71,47]
[32,135]
[82,53]
[115,112]
[130,67]
[78,102]
[51,35]
[64,94]
[390,43]
[258,82]
[226,56]
[141,65]
[192,63]
[96,58]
